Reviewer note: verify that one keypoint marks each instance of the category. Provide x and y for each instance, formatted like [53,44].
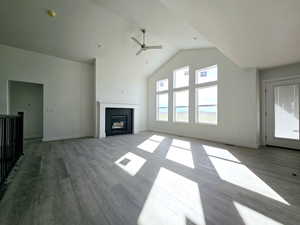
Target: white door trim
[264,103]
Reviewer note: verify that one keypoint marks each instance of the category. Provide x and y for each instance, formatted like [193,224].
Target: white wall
[118,82]
[28,98]
[280,72]
[68,90]
[238,99]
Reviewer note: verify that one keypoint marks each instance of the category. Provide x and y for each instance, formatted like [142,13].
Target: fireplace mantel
[101,107]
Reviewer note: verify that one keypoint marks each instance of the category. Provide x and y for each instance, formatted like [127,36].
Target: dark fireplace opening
[118,121]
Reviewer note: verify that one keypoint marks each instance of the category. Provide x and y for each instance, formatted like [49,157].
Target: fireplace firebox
[118,121]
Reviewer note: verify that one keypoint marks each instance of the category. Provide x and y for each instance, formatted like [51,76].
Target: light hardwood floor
[152,179]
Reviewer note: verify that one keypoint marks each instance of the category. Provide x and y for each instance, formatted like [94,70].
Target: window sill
[164,121]
[181,122]
[208,124]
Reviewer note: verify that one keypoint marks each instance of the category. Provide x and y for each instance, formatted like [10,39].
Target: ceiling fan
[143,46]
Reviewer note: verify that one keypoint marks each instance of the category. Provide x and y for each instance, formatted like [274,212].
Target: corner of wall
[258,108]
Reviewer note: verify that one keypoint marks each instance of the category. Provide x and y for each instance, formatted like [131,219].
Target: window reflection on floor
[220,153]
[231,170]
[131,163]
[180,152]
[181,144]
[151,144]
[182,156]
[252,217]
[172,200]
[157,138]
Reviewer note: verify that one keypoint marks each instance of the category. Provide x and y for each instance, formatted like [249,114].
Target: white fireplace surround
[101,106]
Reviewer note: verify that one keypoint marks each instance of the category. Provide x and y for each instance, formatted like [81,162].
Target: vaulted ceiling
[256,33]
[80,25]
[253,33]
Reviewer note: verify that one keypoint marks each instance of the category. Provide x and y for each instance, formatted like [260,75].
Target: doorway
[282,113]
[28,98]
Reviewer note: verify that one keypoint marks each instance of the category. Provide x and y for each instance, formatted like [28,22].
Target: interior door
[28,98]
[282,113]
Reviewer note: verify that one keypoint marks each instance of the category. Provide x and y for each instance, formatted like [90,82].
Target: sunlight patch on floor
[220,153]
[172,200]
[157,138]
[131,163]
[181,156]
[151,144]
[181,144]
[252,217]
[240,175]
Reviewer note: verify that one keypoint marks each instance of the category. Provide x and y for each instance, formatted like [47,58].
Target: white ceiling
[81,24]
[256,33]
[253,33]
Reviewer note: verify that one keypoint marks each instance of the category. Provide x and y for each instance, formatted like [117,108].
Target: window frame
[206,85]
[179,89]
[174,78]
[174,105]
[204,69]
[157,93]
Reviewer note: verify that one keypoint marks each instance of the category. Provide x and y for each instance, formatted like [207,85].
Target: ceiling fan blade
[139,52]
[154,47]
[135,40]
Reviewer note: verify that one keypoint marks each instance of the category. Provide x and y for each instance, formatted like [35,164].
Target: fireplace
[118,121]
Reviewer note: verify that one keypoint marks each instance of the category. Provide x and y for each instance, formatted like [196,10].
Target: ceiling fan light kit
[143,46]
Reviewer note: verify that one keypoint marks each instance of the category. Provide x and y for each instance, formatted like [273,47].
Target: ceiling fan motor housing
[143,45]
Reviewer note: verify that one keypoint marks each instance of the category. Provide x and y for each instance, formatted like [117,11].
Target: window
[181,95]
[207,95]
[181,106]
[286,111]
[162,100]
[208,74]
[162,111]
[206,104]
[181,77]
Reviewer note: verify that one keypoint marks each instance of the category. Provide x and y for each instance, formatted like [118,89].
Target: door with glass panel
[282,113]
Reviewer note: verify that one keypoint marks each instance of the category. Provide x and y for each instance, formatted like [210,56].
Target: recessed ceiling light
[51,13]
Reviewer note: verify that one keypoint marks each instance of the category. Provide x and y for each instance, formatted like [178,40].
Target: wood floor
[152,179]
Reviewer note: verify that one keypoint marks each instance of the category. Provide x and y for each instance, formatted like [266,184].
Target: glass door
[282,115]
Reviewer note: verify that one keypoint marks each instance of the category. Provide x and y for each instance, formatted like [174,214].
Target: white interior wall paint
[258,109]
[238,99]
[95,106]
[118,82]
[28,98]
[280,72]
[68,90]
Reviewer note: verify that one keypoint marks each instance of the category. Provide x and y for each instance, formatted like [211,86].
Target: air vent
[125,161]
